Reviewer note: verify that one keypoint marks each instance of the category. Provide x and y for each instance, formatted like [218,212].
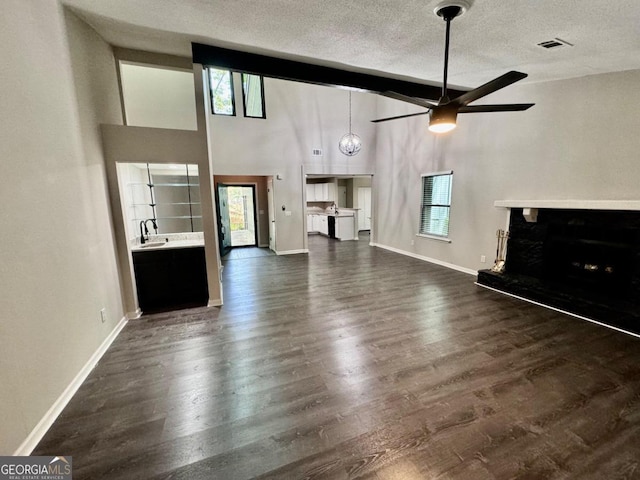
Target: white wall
[158,97]
[300,117]
[57,263]
[580,141]
[58,267]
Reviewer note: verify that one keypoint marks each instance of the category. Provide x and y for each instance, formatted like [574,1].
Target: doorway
[272,216]
[237,219]
[364,203]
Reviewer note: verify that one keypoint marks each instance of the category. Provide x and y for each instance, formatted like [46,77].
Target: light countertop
[348,213]
[155,245]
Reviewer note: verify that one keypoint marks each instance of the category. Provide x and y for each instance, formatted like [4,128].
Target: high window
[436,204]
[221,86]
[253,95]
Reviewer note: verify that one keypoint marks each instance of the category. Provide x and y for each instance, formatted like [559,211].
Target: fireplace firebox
[586,262]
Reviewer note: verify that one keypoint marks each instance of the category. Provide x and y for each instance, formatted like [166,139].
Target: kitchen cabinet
[323,224]
[320,192]
[320,224]
[311,192]
[170,278]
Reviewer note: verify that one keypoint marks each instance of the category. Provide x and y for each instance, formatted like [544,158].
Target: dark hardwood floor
[355,362]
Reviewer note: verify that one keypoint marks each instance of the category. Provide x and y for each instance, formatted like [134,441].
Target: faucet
[143,224]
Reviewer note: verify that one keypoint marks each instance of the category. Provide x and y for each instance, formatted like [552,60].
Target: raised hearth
[586,262]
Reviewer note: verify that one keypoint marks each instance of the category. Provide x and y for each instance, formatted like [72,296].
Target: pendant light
[350,143]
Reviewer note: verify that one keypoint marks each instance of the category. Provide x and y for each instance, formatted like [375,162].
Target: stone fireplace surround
[576,258]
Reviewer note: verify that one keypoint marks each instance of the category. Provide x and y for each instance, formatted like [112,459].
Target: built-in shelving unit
[167,194]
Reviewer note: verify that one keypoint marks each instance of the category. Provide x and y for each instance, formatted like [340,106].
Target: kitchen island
[341,224]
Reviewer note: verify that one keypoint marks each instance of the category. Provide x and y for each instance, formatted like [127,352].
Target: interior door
[272,215]
[224,221]
[364,204]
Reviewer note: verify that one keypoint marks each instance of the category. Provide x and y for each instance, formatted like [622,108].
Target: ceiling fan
[442,115]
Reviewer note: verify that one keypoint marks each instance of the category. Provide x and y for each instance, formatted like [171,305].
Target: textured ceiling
[400,38]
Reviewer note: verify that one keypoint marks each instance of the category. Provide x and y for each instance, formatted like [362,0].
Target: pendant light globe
[350,144]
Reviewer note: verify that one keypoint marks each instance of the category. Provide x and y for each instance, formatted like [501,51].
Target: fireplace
[586,262]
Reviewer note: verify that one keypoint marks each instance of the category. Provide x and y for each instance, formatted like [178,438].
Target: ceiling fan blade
[404,98]
[509,107]
[399,116]
[489,87]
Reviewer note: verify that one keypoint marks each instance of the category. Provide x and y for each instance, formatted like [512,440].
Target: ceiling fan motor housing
[443,114]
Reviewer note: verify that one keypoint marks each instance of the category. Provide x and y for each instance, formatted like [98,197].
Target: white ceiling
[401,38]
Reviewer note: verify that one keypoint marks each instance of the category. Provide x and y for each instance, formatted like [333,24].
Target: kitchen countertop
[154,245]
[339,214]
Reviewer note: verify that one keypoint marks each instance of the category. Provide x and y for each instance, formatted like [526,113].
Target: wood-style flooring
[356,362]
[247,252]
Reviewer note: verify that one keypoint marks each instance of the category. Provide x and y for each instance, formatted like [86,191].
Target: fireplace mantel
[620,205]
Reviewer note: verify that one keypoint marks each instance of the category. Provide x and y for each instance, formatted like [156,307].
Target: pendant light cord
[350,132]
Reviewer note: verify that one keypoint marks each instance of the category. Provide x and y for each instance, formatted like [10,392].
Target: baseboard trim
[452,266]
[52,414]
[216,302]
[134,315]
[292,252]
[558,310]
[266,245]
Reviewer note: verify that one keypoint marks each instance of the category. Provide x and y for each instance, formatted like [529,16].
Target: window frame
[233,94]
[244,96]
[421,230]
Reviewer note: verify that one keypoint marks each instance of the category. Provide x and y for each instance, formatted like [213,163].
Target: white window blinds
[436,204]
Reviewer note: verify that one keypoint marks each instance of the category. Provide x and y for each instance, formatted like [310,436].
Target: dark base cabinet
[168,279]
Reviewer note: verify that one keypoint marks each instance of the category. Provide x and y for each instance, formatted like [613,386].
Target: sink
[153,244]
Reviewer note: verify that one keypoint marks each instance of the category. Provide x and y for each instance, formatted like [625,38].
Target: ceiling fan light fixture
[441,127]
[442,120]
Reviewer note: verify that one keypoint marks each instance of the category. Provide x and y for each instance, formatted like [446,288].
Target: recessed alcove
[583,261]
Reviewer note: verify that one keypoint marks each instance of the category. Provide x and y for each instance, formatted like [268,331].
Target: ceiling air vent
[555,43]
[316,152]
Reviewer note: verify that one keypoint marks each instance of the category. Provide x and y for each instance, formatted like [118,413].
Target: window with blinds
[436,204]
[253,95]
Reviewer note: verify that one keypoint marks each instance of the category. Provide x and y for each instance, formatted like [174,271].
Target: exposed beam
[309,73]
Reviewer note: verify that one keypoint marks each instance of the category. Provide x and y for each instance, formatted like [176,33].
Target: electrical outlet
[483,259]
[413,242]
[103,315]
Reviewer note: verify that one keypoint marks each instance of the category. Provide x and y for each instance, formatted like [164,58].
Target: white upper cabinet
[320,192]
[311,192]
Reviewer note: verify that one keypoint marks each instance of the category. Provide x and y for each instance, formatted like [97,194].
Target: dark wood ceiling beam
[309,73]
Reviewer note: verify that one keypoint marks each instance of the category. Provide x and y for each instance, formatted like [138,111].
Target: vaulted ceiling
[400,38]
